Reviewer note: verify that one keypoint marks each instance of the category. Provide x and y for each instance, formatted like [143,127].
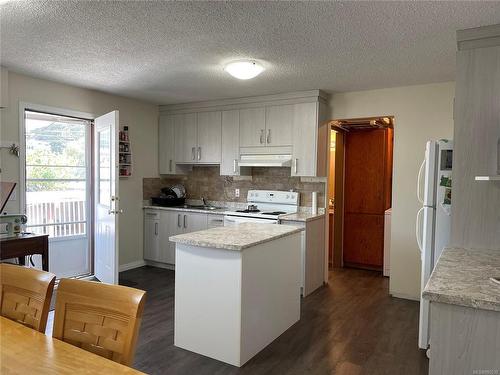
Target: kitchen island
[465,312]
[237,289]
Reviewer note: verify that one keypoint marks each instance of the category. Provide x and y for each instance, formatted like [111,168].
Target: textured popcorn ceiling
[171,52]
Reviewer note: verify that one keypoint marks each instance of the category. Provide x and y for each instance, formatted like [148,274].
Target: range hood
[281,160]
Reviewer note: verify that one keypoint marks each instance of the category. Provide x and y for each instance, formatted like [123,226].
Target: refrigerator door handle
[417,229]
[419,180]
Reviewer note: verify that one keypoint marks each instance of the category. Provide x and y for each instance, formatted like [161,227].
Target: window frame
[23,107]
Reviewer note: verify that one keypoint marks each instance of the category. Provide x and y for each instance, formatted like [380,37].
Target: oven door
[235,220]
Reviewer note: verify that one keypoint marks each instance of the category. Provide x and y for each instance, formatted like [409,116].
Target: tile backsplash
[205,181]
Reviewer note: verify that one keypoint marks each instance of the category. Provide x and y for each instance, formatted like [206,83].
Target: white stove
[264,206]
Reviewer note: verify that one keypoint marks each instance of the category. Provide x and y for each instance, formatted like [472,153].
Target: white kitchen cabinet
[185,130]
[151,235]
[313,253]
[252,127]
[214,221]
[219,132]
[166,144]
[4,87]
[159,225]
[279,124]
[193,222]
[230,143]
[310,136]
[209,137]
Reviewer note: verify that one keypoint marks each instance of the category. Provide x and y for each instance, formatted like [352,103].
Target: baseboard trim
[132,265]
[160,265]
[403,296]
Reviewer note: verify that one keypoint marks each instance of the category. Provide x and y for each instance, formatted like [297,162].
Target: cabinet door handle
[199,153]
[179,220]
[170,165]
[156,229]
[234,166]
[295,162]
[185,221]
[268,136]
[192,152]
[261,136]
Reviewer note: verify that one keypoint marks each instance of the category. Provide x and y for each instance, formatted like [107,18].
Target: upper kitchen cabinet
[166,162]
[310,139]
[266,126]
[230,144]
[252,127]
[4,88]
[197,138]
[285,129]
[185,147]
[209,137]
[279,123]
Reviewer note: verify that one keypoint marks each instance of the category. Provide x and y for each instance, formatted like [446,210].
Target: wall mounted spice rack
[124,154]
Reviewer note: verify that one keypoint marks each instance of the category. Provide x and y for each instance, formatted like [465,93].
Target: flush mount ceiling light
[244,69]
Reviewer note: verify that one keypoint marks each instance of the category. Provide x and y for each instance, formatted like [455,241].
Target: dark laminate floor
[351,326]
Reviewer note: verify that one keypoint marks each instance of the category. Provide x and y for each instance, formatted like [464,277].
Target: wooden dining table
[26,351]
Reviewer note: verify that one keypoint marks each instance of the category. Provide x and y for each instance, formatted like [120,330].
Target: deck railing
[57,218]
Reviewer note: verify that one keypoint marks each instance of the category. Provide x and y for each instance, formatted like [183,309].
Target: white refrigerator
[434,218]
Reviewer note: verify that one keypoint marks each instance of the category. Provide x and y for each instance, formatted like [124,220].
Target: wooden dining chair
[25,295]
[100,318]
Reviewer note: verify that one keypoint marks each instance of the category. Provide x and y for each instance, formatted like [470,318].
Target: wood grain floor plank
[351,326]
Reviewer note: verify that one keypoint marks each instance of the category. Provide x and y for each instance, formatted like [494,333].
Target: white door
[209,137]
[193,222]
[106,198]
[253,127]
[305,139]
[279,124]
[185,138]
[230,143]
[427,256]
[166,145]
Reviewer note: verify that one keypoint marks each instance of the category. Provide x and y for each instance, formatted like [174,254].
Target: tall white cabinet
[475,220]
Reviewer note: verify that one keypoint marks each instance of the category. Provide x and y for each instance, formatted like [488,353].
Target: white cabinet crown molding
[478,37]
[247,102]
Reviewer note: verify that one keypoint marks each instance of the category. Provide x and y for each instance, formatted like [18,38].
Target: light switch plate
[237,193]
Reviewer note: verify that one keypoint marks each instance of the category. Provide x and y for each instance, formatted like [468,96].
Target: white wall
[142,119]
[421,113]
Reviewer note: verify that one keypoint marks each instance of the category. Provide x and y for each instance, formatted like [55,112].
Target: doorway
[362,191]
[57,193]
[69,170]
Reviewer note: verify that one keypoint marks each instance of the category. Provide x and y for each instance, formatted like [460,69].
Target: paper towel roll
[314,199]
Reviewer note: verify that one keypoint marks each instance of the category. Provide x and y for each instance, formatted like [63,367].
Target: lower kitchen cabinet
[159,225]
[313,253]
[151,235]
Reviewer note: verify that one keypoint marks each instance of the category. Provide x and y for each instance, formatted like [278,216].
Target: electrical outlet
[237,193]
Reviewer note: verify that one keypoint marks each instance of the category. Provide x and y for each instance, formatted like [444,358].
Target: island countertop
[462,277]
[237,237]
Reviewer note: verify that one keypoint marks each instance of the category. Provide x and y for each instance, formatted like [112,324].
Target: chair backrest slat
[101,318]
[25,295]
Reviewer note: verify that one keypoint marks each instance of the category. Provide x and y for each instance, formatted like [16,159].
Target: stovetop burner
[274,213]
[247,211]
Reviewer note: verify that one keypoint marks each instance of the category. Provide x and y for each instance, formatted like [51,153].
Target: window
[57,171]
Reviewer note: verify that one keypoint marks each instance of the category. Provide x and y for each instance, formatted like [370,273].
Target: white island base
[230,304]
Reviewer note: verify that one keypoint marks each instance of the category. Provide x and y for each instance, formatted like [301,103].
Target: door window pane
[104,167]
[56,174]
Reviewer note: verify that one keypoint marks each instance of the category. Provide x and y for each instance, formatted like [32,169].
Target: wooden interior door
[367,194]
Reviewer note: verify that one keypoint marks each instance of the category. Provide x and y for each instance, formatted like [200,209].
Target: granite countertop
[462,277]
[302,216]
[237,237]
[218,211]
